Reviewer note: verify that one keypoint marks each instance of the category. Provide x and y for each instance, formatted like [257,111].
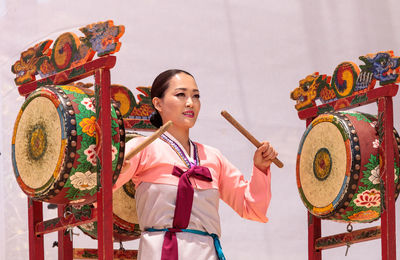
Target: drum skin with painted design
[125,219]
[338,167]
[54,145]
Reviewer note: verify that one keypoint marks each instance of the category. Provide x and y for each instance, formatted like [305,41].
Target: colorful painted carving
[124,98]
[384,66]
[344,79]
[312,88]
[347,80]
[69,51]
[26,67]
[139,118]
[103,38]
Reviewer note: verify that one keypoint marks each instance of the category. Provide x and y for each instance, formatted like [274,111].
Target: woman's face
[181,101]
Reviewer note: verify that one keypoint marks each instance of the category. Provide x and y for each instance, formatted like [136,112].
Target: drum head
[124,203]
[38,142]
[321,167]
[323,164]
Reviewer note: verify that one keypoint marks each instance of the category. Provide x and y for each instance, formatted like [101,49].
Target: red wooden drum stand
[70,60]
[100,68]
[359,91]
[387,230]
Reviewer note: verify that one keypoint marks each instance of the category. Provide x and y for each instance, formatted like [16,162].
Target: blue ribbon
[217,243]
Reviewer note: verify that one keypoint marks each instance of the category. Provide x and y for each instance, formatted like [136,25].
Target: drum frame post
[387,231]
[388,218]
[104,195]
[65,244]
[35,215]
[314,232]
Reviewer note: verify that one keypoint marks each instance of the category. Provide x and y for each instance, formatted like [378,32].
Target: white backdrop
[246,56]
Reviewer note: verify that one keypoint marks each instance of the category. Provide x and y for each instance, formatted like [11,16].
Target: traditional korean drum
[125,226]
[338,167]
[125,220]
[54,145]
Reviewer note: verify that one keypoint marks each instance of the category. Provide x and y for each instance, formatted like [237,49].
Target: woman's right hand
[263,156]
[126,164]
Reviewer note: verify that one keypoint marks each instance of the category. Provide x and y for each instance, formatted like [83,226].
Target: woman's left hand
[263,156]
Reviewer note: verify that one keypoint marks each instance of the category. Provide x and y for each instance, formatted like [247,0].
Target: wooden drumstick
[148,140]
[246,133]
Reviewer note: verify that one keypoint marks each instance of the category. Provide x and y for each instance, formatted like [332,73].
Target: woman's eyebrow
[184,89]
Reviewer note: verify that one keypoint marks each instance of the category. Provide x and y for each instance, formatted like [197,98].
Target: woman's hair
[158,88]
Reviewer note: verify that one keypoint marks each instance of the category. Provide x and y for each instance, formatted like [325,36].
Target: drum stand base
[84,253]
[61,224]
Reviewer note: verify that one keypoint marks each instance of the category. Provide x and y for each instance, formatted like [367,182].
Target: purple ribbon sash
[184,199]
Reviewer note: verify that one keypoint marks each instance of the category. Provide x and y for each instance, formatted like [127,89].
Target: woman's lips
[189,114]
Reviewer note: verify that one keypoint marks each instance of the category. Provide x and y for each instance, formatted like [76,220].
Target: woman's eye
[196,96]
[180,95]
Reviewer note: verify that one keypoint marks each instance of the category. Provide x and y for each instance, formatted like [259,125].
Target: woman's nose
[189,102]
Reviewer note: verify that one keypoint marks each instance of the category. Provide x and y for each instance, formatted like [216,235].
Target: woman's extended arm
[130,166]
[250,199]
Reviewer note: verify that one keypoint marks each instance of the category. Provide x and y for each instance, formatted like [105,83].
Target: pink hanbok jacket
[150,170]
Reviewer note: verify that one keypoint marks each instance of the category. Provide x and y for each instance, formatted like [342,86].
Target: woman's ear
[157,104]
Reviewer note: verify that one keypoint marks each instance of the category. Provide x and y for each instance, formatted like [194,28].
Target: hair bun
[155,119]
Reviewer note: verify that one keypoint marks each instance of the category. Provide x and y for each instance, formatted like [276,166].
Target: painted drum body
[338,167]
[125,219]
[54,145]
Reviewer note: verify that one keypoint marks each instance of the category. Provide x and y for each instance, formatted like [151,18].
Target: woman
[179,182]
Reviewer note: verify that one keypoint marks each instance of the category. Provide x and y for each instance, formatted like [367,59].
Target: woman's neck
[182,136]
